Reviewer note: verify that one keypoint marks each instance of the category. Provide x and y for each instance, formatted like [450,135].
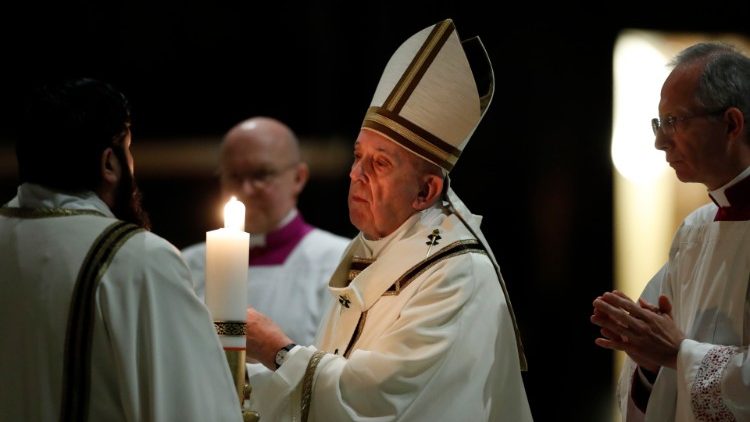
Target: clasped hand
[646,332]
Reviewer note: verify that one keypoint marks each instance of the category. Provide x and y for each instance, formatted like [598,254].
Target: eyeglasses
[260,178]
[668,125]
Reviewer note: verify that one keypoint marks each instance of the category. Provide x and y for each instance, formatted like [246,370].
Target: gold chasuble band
[456,248]
[15,212]
[307,384]
[78,338]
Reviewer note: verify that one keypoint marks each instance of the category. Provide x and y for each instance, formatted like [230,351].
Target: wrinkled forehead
[373,140]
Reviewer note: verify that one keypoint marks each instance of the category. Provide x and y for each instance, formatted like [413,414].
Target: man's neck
[259,239]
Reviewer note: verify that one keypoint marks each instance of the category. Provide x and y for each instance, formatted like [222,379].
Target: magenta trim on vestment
[738,196]
[280,243]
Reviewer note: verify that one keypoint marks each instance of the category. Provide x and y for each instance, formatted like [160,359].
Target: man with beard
[100,319]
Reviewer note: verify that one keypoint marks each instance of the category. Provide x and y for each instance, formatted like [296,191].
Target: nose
[357,170]
[661,141]
[247,187]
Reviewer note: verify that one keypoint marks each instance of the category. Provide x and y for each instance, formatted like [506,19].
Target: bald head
[259,162]
[264,132]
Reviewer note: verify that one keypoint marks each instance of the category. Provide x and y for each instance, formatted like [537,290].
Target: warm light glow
[639,71]
[642,187]
[234,215]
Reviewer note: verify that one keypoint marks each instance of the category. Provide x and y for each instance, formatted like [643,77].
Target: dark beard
[128,198]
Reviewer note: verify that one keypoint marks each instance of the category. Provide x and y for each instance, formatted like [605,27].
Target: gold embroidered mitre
[427,99]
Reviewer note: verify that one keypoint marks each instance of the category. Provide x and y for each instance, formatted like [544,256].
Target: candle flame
[234,215]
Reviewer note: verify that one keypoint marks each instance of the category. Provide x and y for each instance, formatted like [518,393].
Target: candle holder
[236,361]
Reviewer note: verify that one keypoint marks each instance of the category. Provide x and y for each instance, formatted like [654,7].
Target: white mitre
[427,99]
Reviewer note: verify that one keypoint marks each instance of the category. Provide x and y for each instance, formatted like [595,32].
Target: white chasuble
[422,333]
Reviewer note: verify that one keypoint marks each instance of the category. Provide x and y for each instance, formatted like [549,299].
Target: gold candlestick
[236,361]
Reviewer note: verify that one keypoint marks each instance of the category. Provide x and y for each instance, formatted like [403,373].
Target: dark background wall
[538,167]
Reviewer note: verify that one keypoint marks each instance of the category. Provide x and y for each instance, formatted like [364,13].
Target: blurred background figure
[290,260]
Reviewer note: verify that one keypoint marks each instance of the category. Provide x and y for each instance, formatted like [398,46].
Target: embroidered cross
[344,300]
[433,240]
[434,237]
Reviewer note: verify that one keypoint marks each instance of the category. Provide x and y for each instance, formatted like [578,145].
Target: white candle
[226,271]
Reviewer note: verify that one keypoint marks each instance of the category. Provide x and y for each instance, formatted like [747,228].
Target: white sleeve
[717,378]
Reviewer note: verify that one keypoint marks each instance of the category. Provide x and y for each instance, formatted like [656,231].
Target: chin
[355,219]
[358,219]
[685,177]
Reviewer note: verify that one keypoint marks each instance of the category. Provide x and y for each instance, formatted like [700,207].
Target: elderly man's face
[384,185]
[696,143]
